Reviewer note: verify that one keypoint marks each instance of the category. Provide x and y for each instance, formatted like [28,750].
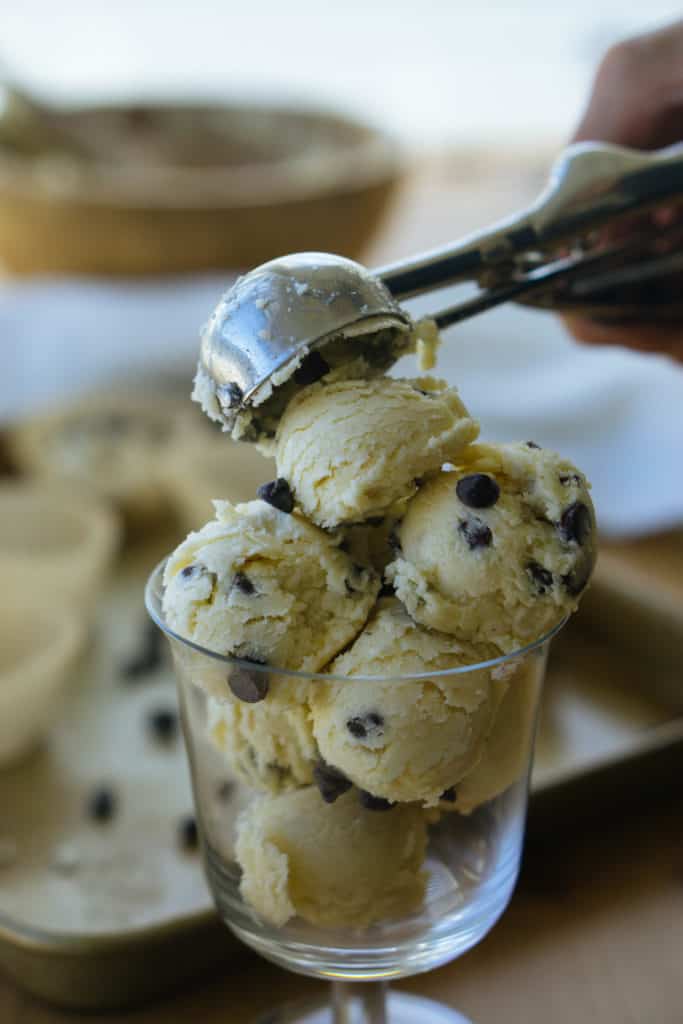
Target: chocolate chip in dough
[449,795]
[331,782]
[311,369]
[362,727]
[229,395]
[250,687]
[188,834]
[476,533]
[478,490]
[374,803]
[102,804]
[575,523]
[277,493]
[242,583]
[162,724]
[542,577]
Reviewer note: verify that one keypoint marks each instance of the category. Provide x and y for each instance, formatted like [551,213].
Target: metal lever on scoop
[591,186]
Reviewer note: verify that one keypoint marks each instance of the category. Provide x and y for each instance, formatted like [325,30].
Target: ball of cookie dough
[498,550]
[266,586]
[506,755]
[404,740]
[331,864]
[357,449]
[269,745]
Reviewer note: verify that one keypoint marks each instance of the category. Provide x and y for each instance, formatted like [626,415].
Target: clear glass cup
[403,890]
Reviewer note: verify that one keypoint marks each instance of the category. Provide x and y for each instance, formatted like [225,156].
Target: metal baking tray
[98,915]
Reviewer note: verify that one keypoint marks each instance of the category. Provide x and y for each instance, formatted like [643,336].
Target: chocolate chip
[162,724]
[363,726]
[532,444]
[476,533]
[386,590]
[229,395]
[193,572]
[576,580]
[250,687]
[541,576]
[188,834]
[102,804]
[116,423]
[575,524]
[358,572]
[570,478]
[478,490]
[393,541]
[242,583]
[278,494]
[449,795]
[374,803]
[225,790]
[330,781]
[148,658]
[312,369]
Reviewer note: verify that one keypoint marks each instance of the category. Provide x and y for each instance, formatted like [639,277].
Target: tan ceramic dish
[38,647]
[204,464]
[111,442]
[183,188]
[56,546]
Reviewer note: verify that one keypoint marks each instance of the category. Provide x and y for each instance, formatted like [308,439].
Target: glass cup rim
[153,606]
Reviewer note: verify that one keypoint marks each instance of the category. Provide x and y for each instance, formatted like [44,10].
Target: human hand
[637,100]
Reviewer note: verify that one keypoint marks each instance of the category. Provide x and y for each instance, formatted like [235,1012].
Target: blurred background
[151,151]
[437,73]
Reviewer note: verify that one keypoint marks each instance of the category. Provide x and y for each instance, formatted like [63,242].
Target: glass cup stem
[370,998]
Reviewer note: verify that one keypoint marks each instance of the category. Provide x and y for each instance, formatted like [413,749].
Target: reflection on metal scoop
[266,327]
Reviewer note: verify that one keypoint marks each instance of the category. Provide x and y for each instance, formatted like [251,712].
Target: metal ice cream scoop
[559,253]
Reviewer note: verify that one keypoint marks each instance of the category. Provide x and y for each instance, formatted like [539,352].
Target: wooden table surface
[595,929]
[594,933]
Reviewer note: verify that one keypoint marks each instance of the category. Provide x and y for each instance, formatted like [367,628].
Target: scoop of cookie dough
[506,755]
[267,586]
[268,744]
[332,864]
[357,448]
[500,548]
[404,740]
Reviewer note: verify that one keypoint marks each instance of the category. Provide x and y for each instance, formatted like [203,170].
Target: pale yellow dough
[266,586]
[331,864]
[404,740]
[357,448]
[268,745]
[529,575]
[508,749]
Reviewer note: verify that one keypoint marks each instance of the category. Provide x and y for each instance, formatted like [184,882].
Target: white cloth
[618,415]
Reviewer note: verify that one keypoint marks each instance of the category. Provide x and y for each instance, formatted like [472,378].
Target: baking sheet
[102,914]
